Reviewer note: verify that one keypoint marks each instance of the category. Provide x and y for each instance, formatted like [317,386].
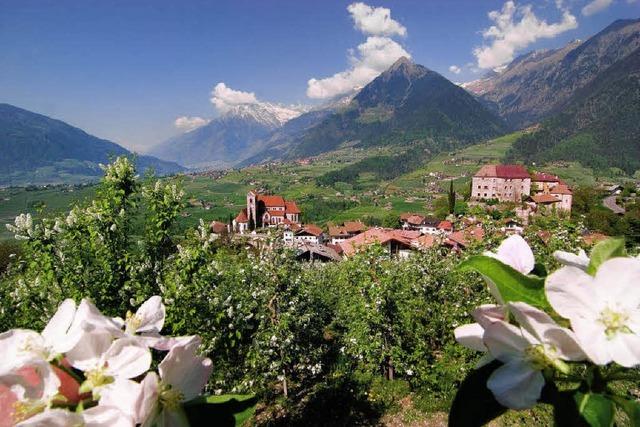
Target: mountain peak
[405,67]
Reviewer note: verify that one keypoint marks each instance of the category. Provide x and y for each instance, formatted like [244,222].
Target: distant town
[496,186]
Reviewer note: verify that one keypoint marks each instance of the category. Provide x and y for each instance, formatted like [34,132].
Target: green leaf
[474,404]
[224,410]
[510,283]
[630,407]
[595,408]
[605,250]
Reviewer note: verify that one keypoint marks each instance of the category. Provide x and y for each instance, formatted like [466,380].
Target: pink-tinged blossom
[604,310]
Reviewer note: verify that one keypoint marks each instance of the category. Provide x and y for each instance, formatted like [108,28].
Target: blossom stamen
[615,322]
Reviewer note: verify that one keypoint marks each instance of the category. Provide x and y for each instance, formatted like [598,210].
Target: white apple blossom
[471,335]
[183,375]
[105,361]
[515,252]
[147,322]
[525,351]
[98,416]
[580,260]
[604,310]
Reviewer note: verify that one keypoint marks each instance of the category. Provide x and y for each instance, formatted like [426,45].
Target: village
[495,186]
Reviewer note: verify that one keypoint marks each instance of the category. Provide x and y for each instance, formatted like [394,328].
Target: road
[610,202]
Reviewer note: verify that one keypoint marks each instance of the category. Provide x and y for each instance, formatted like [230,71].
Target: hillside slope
[541,83]
[39,149]
[406,103]
[599,127]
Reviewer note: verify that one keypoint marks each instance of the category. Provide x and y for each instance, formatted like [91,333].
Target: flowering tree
[565,339]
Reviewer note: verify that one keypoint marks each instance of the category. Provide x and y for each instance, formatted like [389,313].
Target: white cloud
[188,124]
[454,69]
[374,56]
[514,29]
[376,21]
[596,6]
[371,58]
[224,98]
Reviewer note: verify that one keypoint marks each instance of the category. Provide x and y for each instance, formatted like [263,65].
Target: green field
[217,198]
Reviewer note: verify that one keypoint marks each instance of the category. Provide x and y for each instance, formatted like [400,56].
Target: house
[564,194]
[513,183]
[445,227]
[460,240]
[313,252]
[511,226]
[396,242]
[218,227]
[241,222]
[270,210]
[340,233]
[505,183]
[545,203]
[424,224]
[309,234]
[426,241]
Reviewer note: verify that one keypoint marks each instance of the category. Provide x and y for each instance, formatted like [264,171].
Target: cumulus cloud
[187,124]
[454,69]
[514,29]
[596,6]
[369,59]
[376,21]
[224,98]
[374,56]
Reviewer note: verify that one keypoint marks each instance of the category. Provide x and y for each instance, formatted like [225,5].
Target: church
[266,211]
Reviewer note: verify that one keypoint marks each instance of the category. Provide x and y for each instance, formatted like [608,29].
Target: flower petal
[580,260]
[185,370]
[592,339]
[87,353]
[506,342]
[516,253]
[470,336]
[487,314]
[53,418]
[617,279]
[58,326]
[570,292]
[624,349]
[543,327]
[106,416]
[515,385]
[151,313]
[127,358]
[122,394]
[147,406]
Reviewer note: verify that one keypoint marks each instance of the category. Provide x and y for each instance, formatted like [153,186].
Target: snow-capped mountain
[229,138]
[269,114]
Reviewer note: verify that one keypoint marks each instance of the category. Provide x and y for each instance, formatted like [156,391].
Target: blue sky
[126,70]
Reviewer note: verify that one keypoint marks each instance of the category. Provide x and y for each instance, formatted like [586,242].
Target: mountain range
[584,99]
[37,149]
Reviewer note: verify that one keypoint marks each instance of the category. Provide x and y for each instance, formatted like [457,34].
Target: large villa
[266,211]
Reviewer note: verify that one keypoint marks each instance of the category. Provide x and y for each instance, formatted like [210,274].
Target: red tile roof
[445,225]
[512,171]
[242,216]
[560,189]
[544,177]
[311,229]
[218,227]
[503,171]
[544,198]
[291,207]
[271,201]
